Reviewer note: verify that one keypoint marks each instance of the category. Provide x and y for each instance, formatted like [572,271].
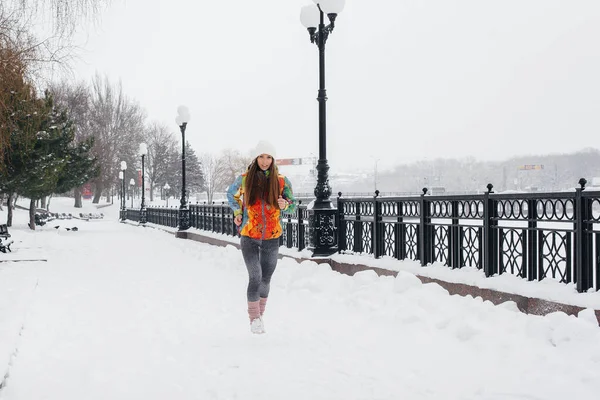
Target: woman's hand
[282,203]
[238,220]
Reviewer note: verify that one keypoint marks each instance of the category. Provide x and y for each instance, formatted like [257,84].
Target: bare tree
[65,14]
[76,98]
[234,163]
[214,173]
[221,170]
[54,50]
[117,124]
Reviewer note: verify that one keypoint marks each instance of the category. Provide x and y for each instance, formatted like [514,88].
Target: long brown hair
[260,187]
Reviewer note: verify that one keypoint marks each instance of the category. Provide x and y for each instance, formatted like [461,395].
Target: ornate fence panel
[356,234]
[162,216]
[381,226]
[535,235]
[454,229]
[133,214]
[590,244]
[295,227]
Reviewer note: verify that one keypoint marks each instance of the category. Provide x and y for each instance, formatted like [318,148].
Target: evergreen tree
[55,163]
[173,173]
[80,166]
[194,175]
[19,123]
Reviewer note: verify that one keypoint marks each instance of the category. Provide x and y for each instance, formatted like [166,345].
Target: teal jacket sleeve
[234,196]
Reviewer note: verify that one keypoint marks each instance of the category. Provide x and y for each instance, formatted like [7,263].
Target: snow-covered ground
[124,312]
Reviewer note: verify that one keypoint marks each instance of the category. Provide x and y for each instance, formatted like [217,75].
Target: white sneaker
[257,326]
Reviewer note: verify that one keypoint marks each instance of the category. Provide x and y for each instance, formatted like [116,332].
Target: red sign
[86,191]
[295,161]
[530,167]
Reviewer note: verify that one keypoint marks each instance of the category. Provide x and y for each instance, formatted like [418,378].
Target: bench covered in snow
[5,239]
[88,216]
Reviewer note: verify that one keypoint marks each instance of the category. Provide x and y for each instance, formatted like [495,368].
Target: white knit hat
[264,147]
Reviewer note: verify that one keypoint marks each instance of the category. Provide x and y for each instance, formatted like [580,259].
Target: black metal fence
[531,235]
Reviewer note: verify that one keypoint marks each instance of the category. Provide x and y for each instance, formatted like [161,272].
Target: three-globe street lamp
[143,151]
[167,187]
[131,185]
[183,117]
[322,214]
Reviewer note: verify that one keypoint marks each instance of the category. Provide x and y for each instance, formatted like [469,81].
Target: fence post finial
[490,187]
[582,182]
[424,191]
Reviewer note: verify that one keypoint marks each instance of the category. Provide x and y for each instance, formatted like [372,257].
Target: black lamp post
[183,117]
[131,185]
[143,218]
[122,176]
[122,192]
[322,214]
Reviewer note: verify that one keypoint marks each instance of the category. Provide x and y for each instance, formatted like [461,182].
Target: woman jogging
[258,198]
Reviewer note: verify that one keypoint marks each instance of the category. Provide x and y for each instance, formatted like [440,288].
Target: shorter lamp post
[123,169]
[131,185]
[122,194]
[143,151]
[183,117]
[167,187]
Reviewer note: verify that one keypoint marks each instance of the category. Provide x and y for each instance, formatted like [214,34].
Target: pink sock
[253,310]
[263,305]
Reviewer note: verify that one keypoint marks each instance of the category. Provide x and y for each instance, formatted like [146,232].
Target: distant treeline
[535,172]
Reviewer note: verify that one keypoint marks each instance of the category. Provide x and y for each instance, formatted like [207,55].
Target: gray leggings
[260,257]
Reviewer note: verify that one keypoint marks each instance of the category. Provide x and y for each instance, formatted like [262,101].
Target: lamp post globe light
[183,117]
[167,187]
[322,214]
[143,150]
[131,185]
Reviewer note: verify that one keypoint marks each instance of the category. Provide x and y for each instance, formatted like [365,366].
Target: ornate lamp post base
[322,226]
[322,231]
[143,216]
[184,222]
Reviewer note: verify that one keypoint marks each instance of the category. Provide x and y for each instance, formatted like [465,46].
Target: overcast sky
[406,79]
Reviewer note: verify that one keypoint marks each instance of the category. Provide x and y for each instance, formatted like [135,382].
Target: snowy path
[122,312]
